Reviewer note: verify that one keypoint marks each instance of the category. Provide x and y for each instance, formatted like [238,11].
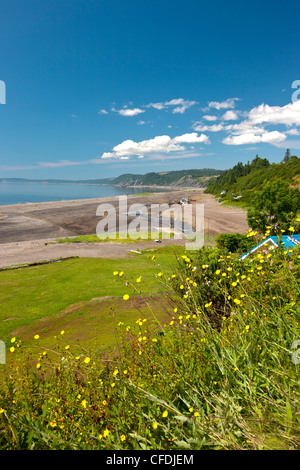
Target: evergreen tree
[287,156]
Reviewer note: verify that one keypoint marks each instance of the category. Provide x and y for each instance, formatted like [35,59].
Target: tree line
[269,191]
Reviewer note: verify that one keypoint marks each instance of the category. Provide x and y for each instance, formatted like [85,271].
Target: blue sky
[98,88]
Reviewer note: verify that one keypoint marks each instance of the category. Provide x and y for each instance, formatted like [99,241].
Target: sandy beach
[26,230]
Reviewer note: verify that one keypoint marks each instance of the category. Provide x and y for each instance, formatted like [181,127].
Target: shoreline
[26,229]
[57,219]
[168,190]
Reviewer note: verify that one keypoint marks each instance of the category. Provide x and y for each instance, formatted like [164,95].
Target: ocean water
[20,193]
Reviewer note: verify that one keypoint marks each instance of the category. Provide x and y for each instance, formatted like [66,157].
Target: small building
[287,241]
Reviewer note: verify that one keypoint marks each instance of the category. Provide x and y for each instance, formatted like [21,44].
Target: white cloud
[227,104]
[102,111]
[162,143]
[210,117]
[213,128]
[191,138]
[252,129]
[107,155]
[288,114]
[293,132]
[58,164]
[158,106]
[129,112]
[244,127]
[273,137]
[181,105]
[230,116]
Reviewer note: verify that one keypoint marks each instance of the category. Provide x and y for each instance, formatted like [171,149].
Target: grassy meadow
[47,296]
[128,238]
[202,354]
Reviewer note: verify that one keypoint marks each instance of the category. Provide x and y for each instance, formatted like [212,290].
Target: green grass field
[47,297]
[116,238]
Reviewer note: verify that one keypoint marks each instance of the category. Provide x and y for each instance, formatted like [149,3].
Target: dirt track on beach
[26,230]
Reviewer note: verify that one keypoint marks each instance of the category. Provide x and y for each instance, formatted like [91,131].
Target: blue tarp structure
[287,241]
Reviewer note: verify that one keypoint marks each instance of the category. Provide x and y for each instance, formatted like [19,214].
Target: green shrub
[233,242]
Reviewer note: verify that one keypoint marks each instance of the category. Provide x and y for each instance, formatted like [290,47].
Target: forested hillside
[182,178]
[271,192]
[197,178]
[246,180]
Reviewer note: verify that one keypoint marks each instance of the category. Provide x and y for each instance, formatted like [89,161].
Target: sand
[27,230]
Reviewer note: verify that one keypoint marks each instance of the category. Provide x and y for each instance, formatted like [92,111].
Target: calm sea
[20,193]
